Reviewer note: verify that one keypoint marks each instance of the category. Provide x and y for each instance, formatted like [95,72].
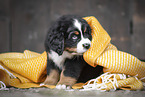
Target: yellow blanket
[28,69]
[103,53]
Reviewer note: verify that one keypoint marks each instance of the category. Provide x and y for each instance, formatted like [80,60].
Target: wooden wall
[24,23]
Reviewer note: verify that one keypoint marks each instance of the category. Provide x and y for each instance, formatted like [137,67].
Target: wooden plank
[30,19]
[138,38]
[4,26]
[62,7]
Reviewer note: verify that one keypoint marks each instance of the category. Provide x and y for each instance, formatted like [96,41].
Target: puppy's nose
[86,45]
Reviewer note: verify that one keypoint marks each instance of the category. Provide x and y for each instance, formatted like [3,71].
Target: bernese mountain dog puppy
[68,38]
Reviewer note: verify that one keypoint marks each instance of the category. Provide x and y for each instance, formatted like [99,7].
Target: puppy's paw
[65,80]
[50,82]
[42,84]
[52,78]
[65,87]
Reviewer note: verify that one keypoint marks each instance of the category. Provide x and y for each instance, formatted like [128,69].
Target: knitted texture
[24,69]
[109,81]
[100,40]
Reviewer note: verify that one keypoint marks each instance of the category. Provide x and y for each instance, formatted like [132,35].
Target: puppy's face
[78,37]
[69,33]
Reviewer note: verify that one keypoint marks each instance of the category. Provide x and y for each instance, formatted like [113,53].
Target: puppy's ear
[57,43]
[55,40]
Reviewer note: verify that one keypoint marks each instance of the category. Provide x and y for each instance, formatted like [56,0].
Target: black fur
[73,67]
[58,39]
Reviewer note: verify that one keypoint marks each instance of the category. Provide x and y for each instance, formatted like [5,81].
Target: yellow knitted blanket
[124,71]
[22,70]
[103,53]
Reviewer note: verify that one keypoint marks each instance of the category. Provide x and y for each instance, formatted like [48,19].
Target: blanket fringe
[3,86]
[105,78]
[10,74]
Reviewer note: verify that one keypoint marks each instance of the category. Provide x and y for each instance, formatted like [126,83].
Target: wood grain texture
[138,37]
[30,21]
[4,26]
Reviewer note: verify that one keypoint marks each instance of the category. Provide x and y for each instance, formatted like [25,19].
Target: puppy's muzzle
[83,45]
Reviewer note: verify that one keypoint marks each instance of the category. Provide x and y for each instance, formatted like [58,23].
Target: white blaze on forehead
[80,48]
[78,25]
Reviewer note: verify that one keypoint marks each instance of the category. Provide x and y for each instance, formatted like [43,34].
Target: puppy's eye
[74,37]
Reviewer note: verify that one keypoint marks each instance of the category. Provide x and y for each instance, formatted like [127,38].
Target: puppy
[68,38]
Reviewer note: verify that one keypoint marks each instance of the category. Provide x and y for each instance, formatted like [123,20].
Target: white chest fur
[59,60]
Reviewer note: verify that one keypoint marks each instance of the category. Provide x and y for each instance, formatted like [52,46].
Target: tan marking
[71,49]
[76,32]
[52,78]
[66,80]
[85,29]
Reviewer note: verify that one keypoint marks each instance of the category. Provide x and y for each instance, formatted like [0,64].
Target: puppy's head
[69,33]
